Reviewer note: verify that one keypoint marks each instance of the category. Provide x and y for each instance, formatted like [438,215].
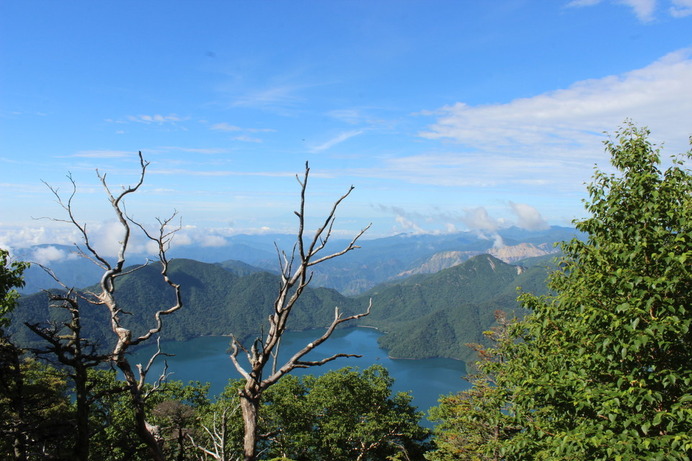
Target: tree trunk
[146,434]
[81,450]
[13,385]
[249,404]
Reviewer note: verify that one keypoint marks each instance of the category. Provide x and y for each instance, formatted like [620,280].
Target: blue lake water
[206,359]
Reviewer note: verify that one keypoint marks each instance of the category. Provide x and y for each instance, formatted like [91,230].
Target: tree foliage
[343,414]
[473,424]
[10,280]
[601,369]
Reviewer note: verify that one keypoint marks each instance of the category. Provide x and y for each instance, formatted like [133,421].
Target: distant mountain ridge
[508,254]
[377,261]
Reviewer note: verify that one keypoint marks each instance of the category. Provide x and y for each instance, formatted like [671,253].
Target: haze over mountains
[431,294]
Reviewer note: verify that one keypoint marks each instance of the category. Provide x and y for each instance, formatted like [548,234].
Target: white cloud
[478,219]
[156,118]
[528,217]
[245,138]
[336,140]
[568,123]
[681,8]
[46,255]
[104,154]
[213,241]
[223,126]
[406,224]
[24,237]
[645,10]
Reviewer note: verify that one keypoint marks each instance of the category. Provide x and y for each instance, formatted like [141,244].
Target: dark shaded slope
[436,315]
[216,302]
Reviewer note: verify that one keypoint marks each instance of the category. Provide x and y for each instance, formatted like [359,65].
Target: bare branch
[106,295]
[295,361]
[295,277]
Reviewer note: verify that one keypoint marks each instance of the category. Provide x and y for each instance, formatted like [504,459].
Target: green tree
[36,421]
[472,425]
[10,279]
[600,369]
[357,417]
[345,414]
[174,409]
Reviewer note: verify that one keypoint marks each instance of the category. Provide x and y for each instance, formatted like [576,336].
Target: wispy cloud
[681,8]
[474,219]
[271,97]
[223,126]
[341,137]
[550,141]
[195,150]
[156,118]
[645,10]
[104,154]
[245,138]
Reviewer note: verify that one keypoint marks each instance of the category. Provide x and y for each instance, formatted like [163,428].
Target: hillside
[437,315]
[422,316]
[216,302]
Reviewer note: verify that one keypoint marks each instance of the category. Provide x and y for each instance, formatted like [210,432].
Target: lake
[206,359]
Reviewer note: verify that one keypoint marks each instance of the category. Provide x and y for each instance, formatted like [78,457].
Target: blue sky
[445,115]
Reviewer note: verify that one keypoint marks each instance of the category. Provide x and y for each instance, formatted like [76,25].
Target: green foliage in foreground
[602,369]
[342,415]
[10,280]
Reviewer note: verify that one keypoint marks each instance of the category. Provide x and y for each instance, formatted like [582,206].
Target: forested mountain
[437,315]
[422,316]
[216,302]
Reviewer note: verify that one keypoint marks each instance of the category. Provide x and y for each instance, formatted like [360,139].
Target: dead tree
[105,296]
[295,276]
[217,433]
[68,346]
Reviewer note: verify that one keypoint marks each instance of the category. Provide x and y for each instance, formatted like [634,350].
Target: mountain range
[377,261]
[434,294]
